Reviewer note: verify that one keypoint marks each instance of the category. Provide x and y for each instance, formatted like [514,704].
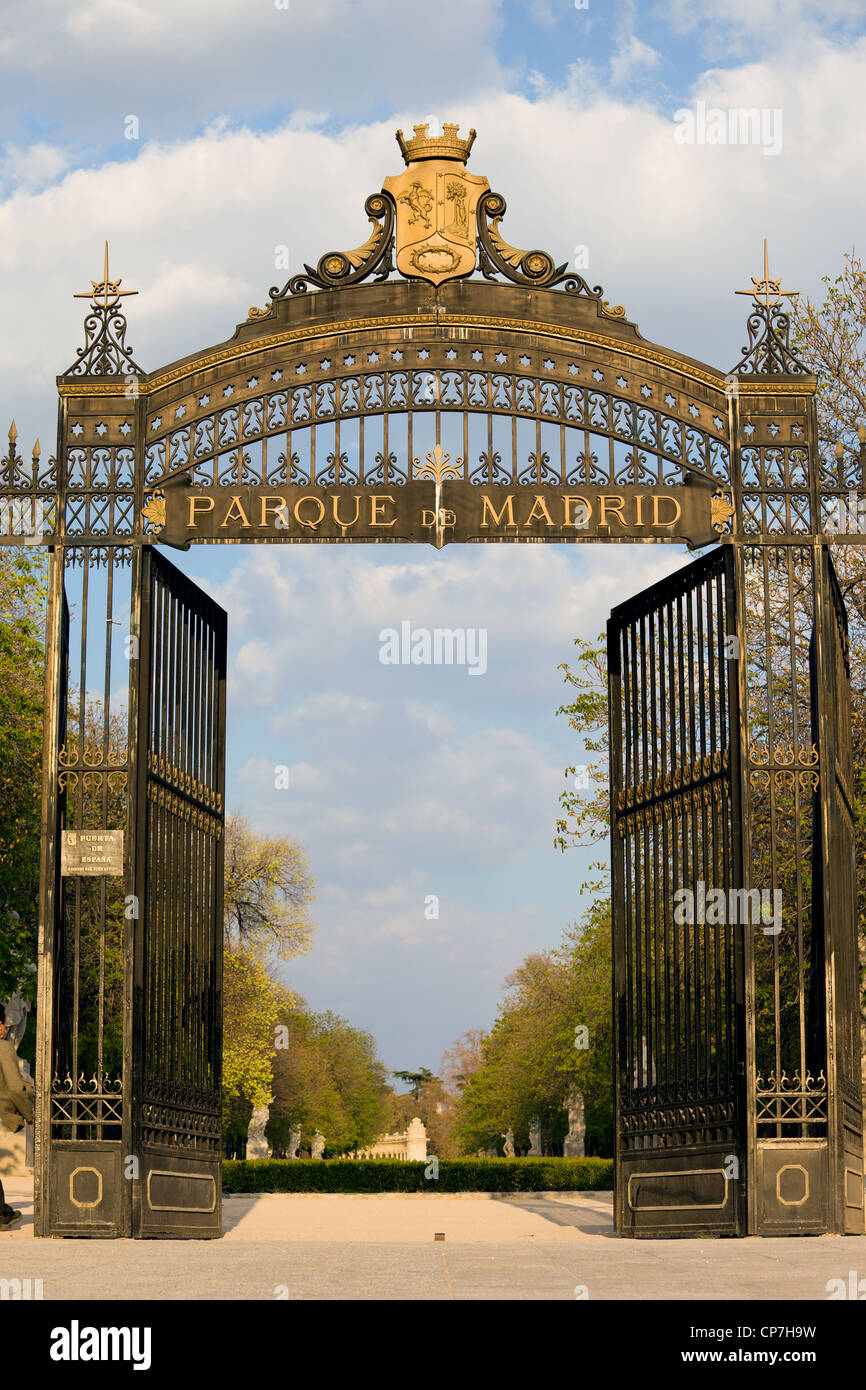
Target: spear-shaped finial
[768,293]
[13,433]
[107,292]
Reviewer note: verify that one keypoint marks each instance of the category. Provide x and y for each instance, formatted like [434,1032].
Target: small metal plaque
[92,853]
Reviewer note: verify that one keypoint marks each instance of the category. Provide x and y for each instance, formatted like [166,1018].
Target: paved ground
[549,1246]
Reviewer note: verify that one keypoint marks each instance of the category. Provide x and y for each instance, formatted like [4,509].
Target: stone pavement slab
[410,1217]
[331,1247]
[797,1268]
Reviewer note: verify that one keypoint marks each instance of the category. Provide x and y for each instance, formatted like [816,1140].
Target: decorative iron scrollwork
[105,352]
[791,1099]
[768,351]
[784,754]
[339,268]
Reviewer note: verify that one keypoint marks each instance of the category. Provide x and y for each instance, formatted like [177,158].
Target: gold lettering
[300,520]
[567,500]
[428,518]
[206,502]
[507,505]
[606,504]
[639,505]
[271,504]
[241,517]
[335,508]
[539,502]
[666,498]
[446,517]
[377,502]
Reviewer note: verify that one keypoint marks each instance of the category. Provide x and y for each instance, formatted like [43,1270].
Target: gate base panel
[86,1190]
[180,1196]
[793,1188]
[677,1192]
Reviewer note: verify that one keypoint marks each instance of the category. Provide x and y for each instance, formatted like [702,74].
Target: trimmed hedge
[397,1175]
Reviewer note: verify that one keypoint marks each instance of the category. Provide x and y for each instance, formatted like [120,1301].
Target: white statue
[17,1010]
[318,1150]
[574,1144]
[535,1139]
[257,1144]
[294,1141]
[508,1136]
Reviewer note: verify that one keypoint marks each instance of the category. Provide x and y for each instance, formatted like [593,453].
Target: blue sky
[258,126]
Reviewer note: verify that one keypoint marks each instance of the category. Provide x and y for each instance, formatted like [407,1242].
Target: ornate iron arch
[359,392]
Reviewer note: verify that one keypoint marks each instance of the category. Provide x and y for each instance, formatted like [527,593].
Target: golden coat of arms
[436,203]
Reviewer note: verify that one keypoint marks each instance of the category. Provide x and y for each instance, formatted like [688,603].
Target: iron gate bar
[675,775]
[835,873]
[179,952]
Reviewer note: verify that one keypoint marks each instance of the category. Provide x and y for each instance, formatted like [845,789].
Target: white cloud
[193,286]
[177,64]
[631,56]
[92,22]
[672,230]
[415,983]
[783,21]
[404,782]
[31,167]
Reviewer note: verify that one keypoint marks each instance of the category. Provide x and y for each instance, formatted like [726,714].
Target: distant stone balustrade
[411,1144]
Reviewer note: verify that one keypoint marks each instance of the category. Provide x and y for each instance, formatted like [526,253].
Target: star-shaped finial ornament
[768,293]
[105,293]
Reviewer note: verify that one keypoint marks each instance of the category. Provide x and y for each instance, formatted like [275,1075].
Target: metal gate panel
[678,972]
[179,859]
[835,865]
[82,1116]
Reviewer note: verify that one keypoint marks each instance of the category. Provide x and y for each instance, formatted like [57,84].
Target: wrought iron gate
[678,959]
[835,891]
[177,1008]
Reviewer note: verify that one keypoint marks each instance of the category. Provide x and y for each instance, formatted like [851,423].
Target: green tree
[252,1004]
[268,890]
[434,1106]
[553,1033]
[462,1058]
[830,338]
[22,660]
[415,1079]
[327,1077]
[585,800]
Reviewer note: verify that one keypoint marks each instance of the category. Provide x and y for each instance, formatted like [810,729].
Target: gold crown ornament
[448,145]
